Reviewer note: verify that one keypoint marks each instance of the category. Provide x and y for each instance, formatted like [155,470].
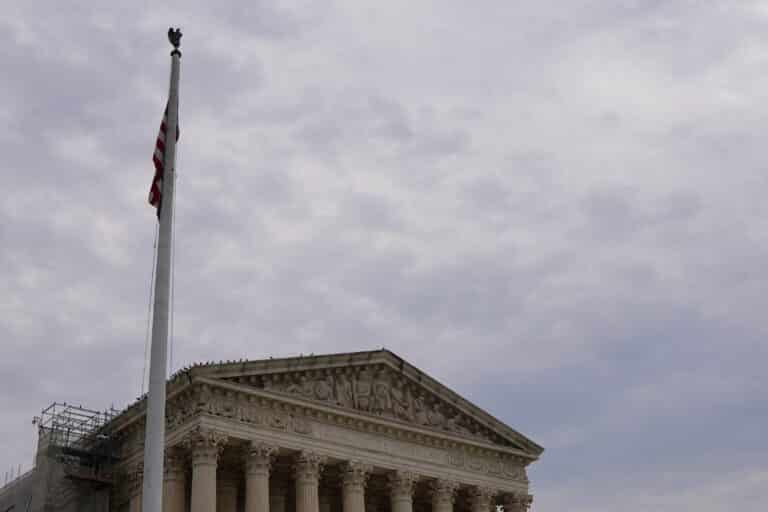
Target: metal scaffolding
[73,425]
[79,438]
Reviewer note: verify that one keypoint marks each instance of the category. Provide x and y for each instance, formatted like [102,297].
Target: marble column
[517,502]
[401,490]
[481,499]
[258,464]
[354,475]
[206,446]
[277,496]
[174,481]
[135,482]
[443,495]
[307,470]
[226,489]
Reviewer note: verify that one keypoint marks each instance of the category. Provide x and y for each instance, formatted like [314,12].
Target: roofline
[184,377]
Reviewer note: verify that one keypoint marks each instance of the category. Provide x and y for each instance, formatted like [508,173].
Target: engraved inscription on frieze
[375,443]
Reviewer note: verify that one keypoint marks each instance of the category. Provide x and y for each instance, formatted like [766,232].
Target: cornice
[211,373]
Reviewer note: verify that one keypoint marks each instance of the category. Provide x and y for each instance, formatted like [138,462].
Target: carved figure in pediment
[435,416]
[363,388]
[344,396]
[452,423]
[455,422]
[324,389]
[303,387]
[420,410]
[381,399]
[401,401]
[174,417]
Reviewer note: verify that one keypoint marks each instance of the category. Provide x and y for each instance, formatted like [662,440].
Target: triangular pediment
[377,384]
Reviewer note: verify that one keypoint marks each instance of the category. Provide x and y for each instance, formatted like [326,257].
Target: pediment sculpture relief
[379,392]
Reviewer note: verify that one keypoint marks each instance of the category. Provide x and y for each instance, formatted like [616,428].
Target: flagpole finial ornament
[174,37]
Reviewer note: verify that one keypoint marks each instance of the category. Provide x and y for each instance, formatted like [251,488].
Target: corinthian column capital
[401,484]
[444,491]
[481,498]
[354,474]
[259,458]
[205,445]
[308,466]
[518,502]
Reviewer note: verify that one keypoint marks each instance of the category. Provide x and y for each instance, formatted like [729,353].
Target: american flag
[156,190]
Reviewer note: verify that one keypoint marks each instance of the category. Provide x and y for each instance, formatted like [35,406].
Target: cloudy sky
[557,208]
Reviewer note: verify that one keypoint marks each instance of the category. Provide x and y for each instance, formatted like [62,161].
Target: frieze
[510,469]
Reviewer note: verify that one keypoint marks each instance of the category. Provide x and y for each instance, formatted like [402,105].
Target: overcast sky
[556,208]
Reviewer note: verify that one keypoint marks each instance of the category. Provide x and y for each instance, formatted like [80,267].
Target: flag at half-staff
[158,158]
[161,197]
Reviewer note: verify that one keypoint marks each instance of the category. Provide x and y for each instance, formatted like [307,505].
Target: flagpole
[154,437]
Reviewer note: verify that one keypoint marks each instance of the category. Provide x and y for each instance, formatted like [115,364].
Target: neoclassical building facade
[355,432]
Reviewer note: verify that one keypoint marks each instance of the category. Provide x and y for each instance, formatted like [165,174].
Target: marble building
[355,432]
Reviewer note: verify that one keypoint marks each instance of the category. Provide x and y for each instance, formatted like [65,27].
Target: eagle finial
[174,37]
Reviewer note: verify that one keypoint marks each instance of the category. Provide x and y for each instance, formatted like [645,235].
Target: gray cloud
[575,192]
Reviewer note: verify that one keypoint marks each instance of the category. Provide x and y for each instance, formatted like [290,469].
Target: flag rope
[173,277]
[149,311]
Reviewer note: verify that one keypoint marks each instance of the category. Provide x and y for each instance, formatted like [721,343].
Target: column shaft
[257,498]
[206,445]
[354,501]
[174,483]
[482,499]
[443,495]
[354,477]
[307,499]
[307,472]
[401,490]
[204,480]
[257,467]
